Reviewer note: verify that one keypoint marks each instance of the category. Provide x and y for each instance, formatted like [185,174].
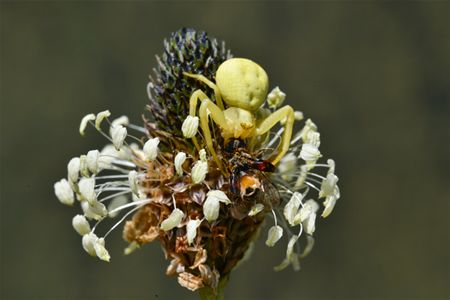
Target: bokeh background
[373,76]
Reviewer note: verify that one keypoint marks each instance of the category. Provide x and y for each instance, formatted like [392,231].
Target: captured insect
[248,182]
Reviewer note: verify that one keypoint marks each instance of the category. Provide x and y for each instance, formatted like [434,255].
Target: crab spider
[243,86]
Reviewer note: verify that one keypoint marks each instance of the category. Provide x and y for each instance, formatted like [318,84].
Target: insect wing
[269,195]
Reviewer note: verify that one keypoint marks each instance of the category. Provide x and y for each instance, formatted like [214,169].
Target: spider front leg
[284,112]
[197,95]
[207,107]
[206,81]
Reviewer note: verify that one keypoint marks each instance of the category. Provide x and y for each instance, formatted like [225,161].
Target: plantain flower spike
[218,160]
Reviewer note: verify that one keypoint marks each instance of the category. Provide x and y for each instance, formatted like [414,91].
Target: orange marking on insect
[249,184]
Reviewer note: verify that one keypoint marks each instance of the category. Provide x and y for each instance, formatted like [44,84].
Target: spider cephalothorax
[243,86]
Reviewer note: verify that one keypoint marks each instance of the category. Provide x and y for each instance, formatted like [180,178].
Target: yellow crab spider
[243,86]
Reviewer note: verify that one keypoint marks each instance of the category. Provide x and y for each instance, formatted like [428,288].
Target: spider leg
[198,94]
[206,81]
[284,112]
[209,108]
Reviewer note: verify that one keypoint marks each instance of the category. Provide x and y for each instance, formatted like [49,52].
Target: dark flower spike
[187,50]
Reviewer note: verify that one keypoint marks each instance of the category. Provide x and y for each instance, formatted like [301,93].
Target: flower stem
[208,293]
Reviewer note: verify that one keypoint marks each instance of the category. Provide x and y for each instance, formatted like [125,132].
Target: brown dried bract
[190,281]
[144,226]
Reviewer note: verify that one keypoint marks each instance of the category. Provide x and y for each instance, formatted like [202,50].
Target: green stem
[208,293]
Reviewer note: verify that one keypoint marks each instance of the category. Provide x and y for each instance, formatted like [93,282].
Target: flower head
[204,192]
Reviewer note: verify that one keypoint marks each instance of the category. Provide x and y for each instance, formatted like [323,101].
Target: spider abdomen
[242,83]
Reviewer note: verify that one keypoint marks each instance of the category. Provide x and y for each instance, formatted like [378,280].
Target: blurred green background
[373,76]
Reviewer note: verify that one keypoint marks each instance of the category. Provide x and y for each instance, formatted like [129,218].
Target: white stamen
[73,169]
[96,211]
[64,192]
[134,203]
[309,126]
[274,234]
[310,153]
[211,206]
[191,229]
[133,181]
[330,202]
[256,209]
[124,216]
[100,250]
[313,138]
[92,161]
[123,120]
[199,171]
[291,208]
[86,186]
[122,192]
[190,127]
[84,121]
[328,186]
[287,165]
[100,117]
[81,225]
[202,155]
[180,158]
[298,116]
[275,98]
[309,246]
[84,170]
[291,256]
[118,135]
[133,246]
[310,224]
[88,241]
[173,220]
[151,149]
[331,164]
[310,207]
